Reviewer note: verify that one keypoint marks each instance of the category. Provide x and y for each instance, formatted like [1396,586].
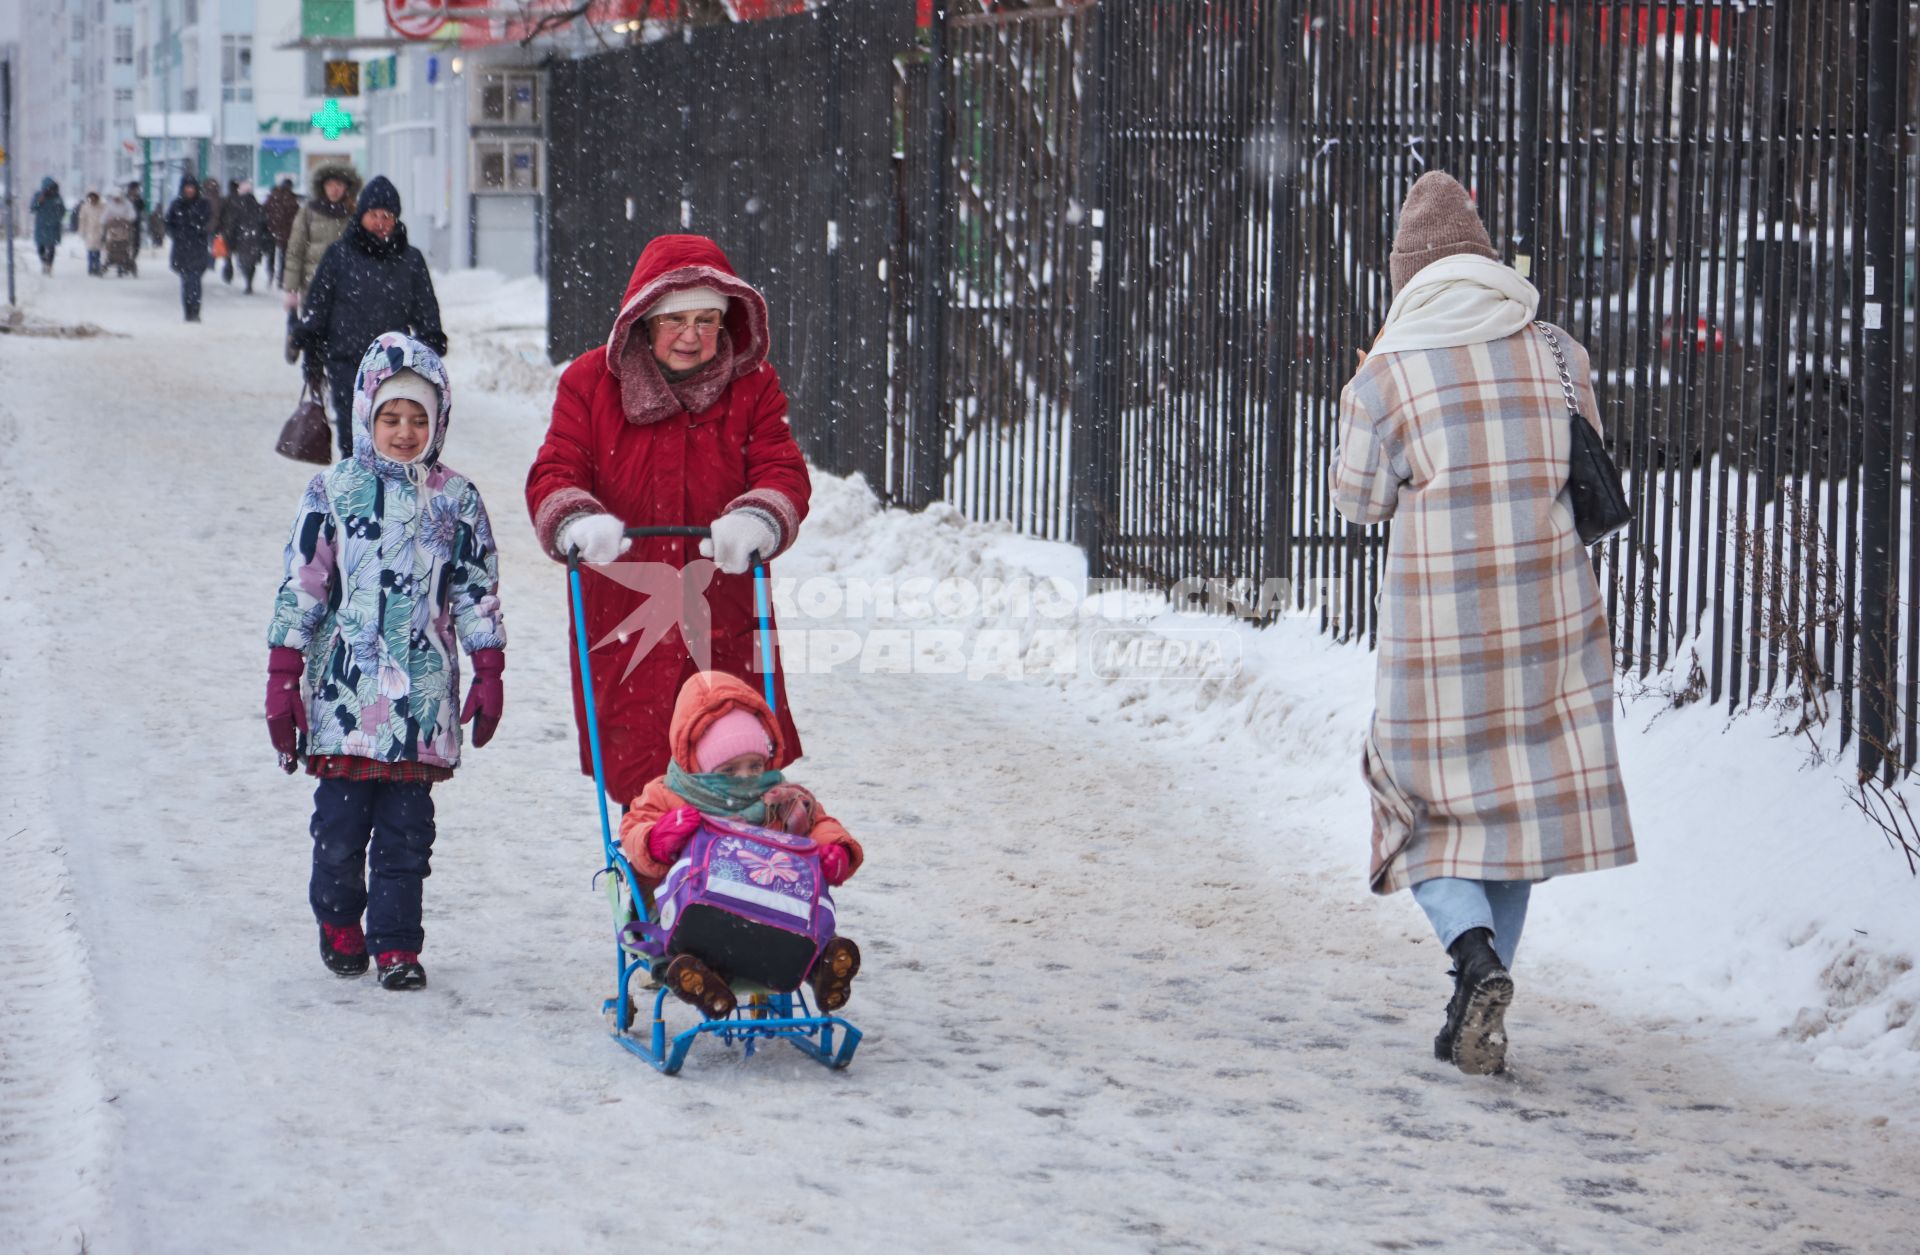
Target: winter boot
[343,948]
[832,976]
[400,969]
[695,983]
[1475,1036]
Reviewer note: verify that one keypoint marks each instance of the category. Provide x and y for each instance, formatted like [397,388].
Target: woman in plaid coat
[1491,761]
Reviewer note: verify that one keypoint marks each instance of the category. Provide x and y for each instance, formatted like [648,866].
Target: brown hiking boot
[832,976]
[695,983]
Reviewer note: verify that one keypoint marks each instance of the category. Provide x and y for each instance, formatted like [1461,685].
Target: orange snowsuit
[704,698]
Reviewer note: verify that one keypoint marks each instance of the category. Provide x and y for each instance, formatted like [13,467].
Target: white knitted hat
[687,299]
[409,385]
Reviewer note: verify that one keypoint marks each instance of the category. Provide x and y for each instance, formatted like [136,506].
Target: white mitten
[737,536]
[596,536]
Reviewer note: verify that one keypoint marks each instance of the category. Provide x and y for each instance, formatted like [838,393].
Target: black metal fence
[1116,260]
[777,140]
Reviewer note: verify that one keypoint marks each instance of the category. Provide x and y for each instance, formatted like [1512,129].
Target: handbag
[307,435]
[1599,499]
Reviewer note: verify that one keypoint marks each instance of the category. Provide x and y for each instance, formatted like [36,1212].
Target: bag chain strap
[1566,377]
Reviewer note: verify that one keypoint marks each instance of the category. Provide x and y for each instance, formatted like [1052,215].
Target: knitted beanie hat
[688,299]
[409,385]
[735,733]
[379,193]
[1437,220]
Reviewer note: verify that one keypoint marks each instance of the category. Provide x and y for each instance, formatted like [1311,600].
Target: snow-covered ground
[1125,988]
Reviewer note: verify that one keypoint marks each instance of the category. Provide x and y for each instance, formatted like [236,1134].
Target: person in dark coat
[246,231]
[216,209]
[371,282]
[187,225]
[49,219]
[283,206]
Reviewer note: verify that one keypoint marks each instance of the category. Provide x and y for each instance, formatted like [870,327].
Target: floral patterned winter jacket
[388,564]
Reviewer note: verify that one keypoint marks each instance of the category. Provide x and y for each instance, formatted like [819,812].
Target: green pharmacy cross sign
[332,120]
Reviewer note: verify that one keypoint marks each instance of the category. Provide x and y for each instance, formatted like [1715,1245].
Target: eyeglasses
[673,325]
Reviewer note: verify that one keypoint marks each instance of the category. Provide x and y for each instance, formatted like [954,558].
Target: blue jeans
[398,820]
[1455,906]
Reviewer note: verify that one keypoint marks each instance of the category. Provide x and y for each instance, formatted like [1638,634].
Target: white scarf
[1464,299]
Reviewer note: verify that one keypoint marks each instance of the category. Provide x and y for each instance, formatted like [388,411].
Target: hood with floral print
[387,356]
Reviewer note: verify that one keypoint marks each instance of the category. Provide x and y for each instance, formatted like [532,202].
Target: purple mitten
[486,695]
[286,709]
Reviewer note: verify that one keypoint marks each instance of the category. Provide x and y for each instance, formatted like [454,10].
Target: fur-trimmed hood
[673,263]
[317,185]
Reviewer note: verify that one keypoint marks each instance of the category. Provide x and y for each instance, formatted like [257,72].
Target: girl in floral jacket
[391,561]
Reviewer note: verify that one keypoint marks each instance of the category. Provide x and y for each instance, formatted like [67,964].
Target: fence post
[1092,466]
[1526,222]
[1880,317]
[929,419]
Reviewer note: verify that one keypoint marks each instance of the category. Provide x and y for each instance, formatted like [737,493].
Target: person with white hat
[678,420]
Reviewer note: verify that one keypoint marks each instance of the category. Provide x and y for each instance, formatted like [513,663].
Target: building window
[317,59]
[190,100]
[189,11]
[236,67]
[123,45]
[508,98]
[326,17]
[507,166]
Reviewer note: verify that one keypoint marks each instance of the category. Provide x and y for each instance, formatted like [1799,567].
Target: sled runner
[752,897]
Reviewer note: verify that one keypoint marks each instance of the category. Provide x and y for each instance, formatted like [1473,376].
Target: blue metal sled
[762,1015]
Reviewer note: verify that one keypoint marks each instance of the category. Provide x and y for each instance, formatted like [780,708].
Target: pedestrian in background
[49,217]
[283,205]
[247,238]
[216,206]
[92,222]
[317,224]
[370,282]
[1491,759]
[187,220]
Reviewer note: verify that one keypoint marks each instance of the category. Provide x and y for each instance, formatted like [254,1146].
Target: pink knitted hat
[735,733]
[1437,220]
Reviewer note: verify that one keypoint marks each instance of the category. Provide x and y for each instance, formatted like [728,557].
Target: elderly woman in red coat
[678,421]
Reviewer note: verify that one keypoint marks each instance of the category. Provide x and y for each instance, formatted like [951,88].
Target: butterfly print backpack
[749,901]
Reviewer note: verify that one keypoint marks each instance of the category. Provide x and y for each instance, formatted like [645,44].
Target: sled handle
[761,608]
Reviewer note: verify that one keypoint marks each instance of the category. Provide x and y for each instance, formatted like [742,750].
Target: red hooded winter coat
[623,442]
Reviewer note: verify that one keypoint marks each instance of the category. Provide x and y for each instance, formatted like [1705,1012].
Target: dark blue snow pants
[398,819]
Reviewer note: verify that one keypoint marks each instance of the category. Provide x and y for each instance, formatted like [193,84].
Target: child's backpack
[748,901]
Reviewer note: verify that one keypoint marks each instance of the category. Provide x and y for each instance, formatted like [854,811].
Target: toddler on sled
[723,738]
[390,571]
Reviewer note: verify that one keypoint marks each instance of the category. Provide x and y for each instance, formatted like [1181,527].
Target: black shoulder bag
[1593,482]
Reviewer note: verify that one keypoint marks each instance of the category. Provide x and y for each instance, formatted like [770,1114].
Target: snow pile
[1763,896]
[497,332]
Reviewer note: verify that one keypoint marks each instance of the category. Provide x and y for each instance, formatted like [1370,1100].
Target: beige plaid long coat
[1492,753]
